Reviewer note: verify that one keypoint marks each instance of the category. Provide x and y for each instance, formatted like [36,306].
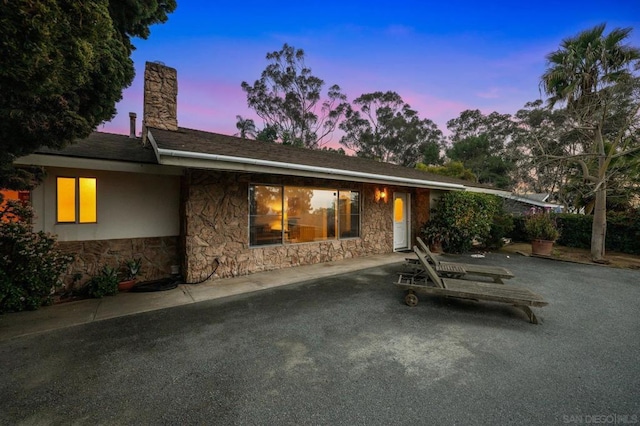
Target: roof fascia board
[224,162]
[48,160]
[512,196]
[154,145]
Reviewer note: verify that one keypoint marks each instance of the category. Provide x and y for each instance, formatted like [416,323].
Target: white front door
[400,221]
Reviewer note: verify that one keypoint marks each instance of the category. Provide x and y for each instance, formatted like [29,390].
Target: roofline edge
[301,167]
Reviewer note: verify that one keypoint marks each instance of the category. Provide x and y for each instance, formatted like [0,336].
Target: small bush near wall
[30,263]
[459,217]
[623,231]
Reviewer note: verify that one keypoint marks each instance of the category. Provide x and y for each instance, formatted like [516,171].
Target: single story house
[181,198]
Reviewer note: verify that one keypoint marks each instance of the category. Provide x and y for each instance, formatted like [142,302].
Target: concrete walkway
[90,310]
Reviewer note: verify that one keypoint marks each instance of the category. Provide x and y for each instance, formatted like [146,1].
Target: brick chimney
[160,96]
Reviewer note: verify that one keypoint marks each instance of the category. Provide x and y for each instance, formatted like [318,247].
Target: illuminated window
[349,214]
[76,200]
[300,214]
[398,210]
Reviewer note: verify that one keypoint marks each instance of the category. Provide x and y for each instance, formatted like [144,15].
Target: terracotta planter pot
[125,286]
[541,247]
[436,247]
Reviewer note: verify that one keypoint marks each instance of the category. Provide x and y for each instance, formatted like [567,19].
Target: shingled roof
[199,144]
[106,146]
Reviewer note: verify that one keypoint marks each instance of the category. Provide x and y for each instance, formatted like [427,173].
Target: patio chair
[432,284]
[461,270]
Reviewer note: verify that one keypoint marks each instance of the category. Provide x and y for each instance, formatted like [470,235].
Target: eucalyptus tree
[594,75]
[288,97]
[543,131]
[481,143]
[64,65]
[385,128]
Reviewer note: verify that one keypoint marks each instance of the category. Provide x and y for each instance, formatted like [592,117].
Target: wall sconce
[381,195]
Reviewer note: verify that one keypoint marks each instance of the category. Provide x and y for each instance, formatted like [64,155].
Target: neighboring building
[519,204]
[182,197]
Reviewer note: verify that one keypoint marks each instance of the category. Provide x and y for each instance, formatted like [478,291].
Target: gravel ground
[346,350]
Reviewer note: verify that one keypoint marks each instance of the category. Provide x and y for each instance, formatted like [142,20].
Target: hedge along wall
[623,231]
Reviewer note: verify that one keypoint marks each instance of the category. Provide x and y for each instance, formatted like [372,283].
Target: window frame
[77,210]
[283,241]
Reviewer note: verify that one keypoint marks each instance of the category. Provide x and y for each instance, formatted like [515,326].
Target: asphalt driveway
[345,350]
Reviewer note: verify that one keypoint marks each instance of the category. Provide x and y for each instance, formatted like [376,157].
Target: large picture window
[293,214]
[76,200]
[265,216]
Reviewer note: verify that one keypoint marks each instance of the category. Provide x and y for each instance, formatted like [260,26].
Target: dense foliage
[460,217]
[481,143]
[64,65]
[30,263]
[451,168]
[594,75]
[623,231]
[385,128]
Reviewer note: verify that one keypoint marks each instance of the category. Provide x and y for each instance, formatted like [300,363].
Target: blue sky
[441,57]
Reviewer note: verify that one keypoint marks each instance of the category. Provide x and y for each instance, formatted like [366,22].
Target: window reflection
[302,214]
[310,214]
[349,216]
[265,216]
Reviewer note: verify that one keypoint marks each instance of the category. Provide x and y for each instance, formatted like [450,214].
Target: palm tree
[246,127]
[588,74]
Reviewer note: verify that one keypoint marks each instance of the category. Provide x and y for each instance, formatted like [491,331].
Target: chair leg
[527,310]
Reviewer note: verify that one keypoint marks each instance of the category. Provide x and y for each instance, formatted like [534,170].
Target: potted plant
[132,268]
[542,230]
[435,235]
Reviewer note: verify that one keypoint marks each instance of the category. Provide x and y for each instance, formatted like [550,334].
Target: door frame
[407,211]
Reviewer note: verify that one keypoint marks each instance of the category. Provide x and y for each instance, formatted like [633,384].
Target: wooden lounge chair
[520,297]
[462,270]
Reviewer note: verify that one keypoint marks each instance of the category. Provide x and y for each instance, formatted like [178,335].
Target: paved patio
[344,349]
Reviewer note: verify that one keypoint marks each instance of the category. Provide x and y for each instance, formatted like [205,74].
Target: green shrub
[103,284]
[501,226]
[461,216]
[30,263]
[576,230]
[623,231]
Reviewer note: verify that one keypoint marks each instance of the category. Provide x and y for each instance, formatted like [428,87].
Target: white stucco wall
[130,205]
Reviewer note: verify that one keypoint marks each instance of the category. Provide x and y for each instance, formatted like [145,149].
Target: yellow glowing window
[87,200]
[398,210]
[66,199]
[76,200]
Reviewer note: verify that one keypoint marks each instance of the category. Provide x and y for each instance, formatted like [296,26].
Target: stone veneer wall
[158,254]
[160,96]
[421,209]
[216,226]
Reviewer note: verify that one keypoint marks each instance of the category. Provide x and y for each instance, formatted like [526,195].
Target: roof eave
[71,162]
[230,163]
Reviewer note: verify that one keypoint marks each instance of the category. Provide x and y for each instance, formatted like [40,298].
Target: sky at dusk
[441,57]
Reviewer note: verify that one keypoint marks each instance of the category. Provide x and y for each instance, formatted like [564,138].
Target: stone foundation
[158,254]
[216,215]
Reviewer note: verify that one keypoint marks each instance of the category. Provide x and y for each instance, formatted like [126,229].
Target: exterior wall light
[381,195]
